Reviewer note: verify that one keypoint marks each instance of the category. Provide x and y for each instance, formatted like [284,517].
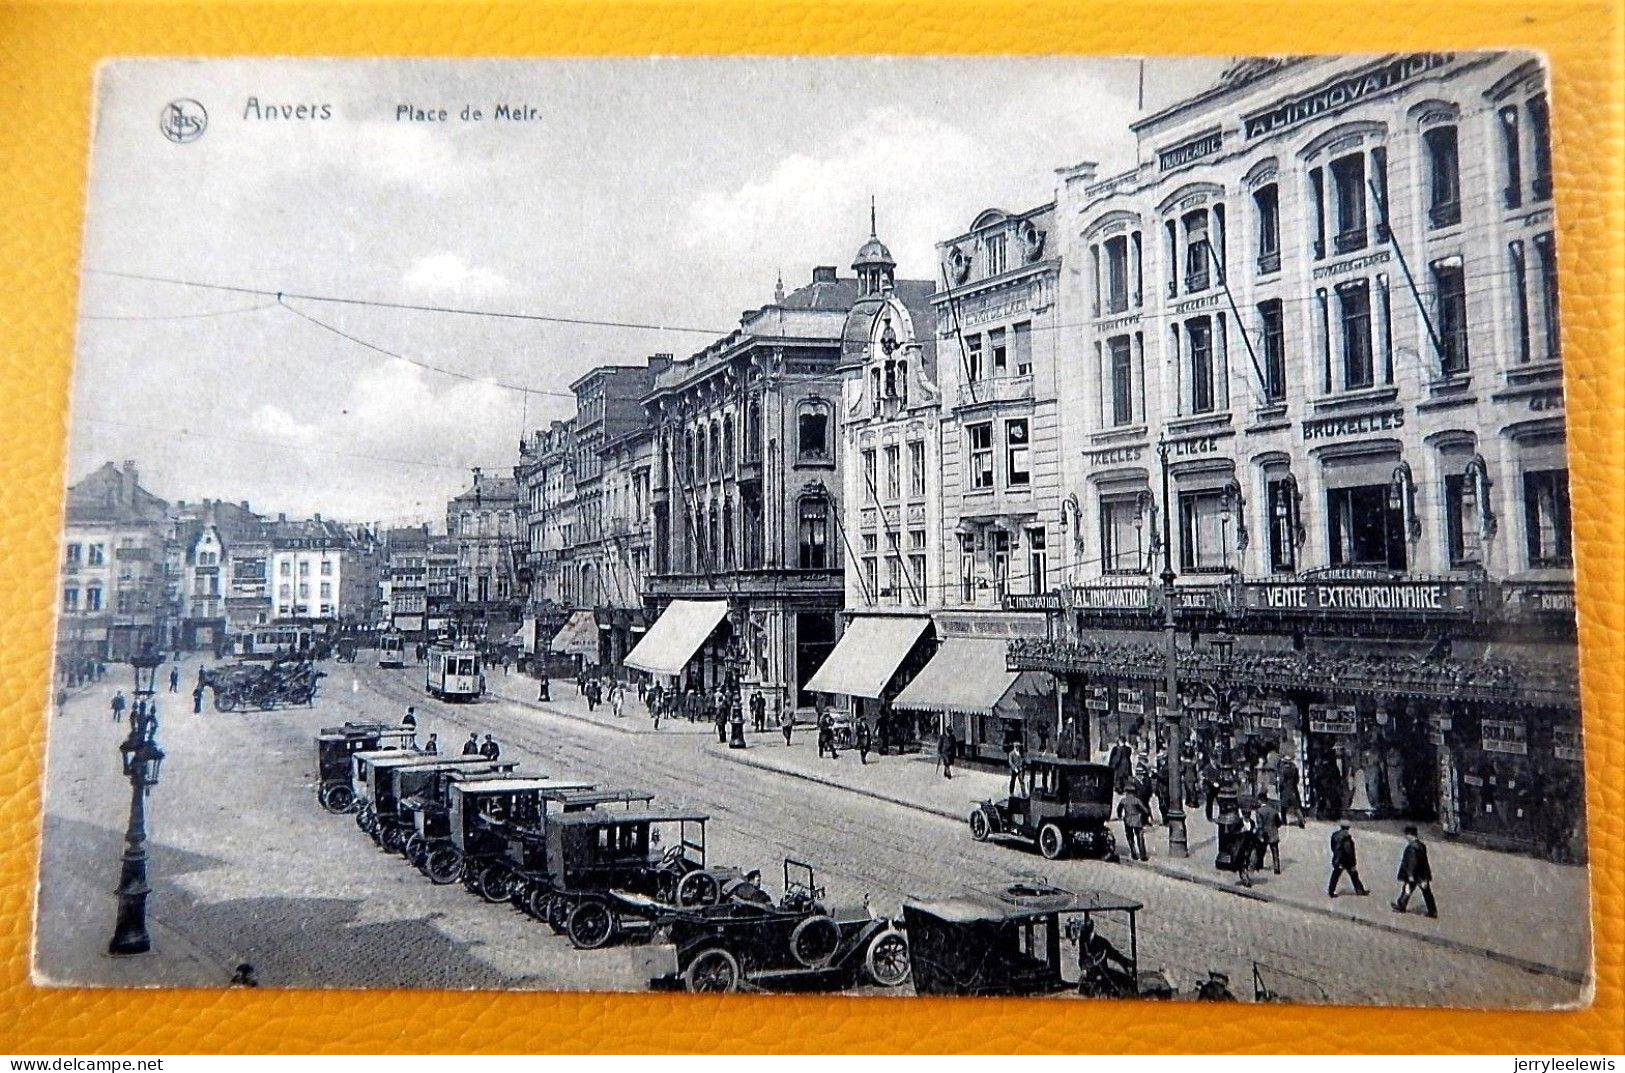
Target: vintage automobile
[391,823]
[279,684]
[334,748]
[480,817]
[363,776]
[345,648]
[1065,810]
[746,938]
[1015,941]
[594,857]
[424,813]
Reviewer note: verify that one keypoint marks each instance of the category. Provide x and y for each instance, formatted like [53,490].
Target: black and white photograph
[1085,527]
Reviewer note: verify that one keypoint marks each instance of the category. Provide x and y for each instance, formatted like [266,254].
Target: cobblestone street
[247,867]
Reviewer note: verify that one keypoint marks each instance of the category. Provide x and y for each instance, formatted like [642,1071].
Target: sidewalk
[1526,894]
[566,700]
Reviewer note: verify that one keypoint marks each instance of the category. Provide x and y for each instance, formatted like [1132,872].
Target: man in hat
[1216,988]
[1267,825]
[490,750]
[432,746]
[1132,811]
[471,747]
[118,705]
[1415,872]
[1344,859]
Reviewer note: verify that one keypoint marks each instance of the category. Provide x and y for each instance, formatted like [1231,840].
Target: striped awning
[867,655]
[674,638]
[966,675]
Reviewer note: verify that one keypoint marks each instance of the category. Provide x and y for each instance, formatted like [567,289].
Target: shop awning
[867,655]
[577,637]
[966,675]
[676,635]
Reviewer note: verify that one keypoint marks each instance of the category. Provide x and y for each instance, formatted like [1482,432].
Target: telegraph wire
[180,316]
[271,444]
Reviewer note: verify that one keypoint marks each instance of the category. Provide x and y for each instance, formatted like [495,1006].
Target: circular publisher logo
[183,120]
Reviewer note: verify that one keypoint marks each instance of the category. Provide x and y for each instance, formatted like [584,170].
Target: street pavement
[247,867]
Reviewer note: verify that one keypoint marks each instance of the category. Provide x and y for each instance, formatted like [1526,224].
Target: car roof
[517,783]
[373,756]
[400,759]
[974,904]
[597,797]
[650,816]
[447,762]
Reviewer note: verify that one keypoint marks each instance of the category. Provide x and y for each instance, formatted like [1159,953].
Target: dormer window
[995,247]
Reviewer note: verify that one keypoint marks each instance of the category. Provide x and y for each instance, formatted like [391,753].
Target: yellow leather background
[48,53]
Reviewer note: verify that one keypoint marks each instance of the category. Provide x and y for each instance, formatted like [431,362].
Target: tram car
[391,650]
[454,673]
[334,748]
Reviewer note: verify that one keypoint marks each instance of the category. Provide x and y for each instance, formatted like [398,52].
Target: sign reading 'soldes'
[1370,82]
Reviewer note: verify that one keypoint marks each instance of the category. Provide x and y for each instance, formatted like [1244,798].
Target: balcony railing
[1349,241]
[1269,262]
[996,389]
[1445,214]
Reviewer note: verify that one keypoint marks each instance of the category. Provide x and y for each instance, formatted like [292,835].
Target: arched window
[93,597]
[699,452]
[727,443]
[814,532]
[812,431]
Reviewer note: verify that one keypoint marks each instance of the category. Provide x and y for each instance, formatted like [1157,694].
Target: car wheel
[980,829]
[225,702]
[412,848]
[814,941]
[591,925]
[1051,842]
[886,960]
[538,902]
[337,797]
[558,913]
[445,865]
[363,818]
[713,970]
[495,884]
[698,888]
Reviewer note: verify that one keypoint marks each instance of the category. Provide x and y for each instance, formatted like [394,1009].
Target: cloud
[280,426]
[449,273]
[808,200]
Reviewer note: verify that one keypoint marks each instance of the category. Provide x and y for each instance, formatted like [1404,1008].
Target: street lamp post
[141,759]
[1174,813]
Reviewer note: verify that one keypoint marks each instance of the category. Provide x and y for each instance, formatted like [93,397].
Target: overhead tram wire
[410,306]
[181,316]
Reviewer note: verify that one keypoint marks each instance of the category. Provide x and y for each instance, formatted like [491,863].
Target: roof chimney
[243,505]
[659,363]
[824,274]
[281,517]
[318,518]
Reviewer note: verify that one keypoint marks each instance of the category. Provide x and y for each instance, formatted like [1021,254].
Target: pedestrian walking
[1132,811]
[491,750]
[200,673]
[544,688]
[61,699]
[1267,823]
[197,699]
[1291,792]
[1121,759]
[118,705]
[1415,874]
[758,710]
[947,745]
[1017,760]
[826,736]
[864,740]
[1344,859]
[1210,787]
[175,679]
[1247,850]
[787,723]
[410,719]
[471,747]
[720,717]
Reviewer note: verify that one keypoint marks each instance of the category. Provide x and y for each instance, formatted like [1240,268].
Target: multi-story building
[208,540]
[114,601]
[484,521]
[441,561]
[308,560]
[626,546]
[1319,349]
[407,578]
[546,478]
[746,491]
[609,409]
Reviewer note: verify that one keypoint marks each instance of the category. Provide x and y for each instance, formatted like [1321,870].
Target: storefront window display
[1519,779]
[1371,760]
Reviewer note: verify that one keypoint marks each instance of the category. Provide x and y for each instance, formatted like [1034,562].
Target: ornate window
[812,431]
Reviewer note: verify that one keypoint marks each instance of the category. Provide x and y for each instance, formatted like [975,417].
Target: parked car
[335,746]
[392,784]
[1030,938]
[747,938]
[1064,811]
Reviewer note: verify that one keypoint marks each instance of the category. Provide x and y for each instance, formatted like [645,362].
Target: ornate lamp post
[1174,814]
[141,758]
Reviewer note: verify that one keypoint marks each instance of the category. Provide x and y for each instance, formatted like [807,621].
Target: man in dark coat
[758,711]
[471,747]
[1344,859]
[1267,825]
[1291,793]
[1415,872]
[490,750]
[1122,764]
[1132,811]
[117,705]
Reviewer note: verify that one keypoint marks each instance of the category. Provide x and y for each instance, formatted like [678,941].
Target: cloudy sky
[666,193]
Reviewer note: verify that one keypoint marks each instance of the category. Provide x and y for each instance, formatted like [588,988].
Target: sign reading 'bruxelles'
[1371,82]
[1394,596]
[1326,428]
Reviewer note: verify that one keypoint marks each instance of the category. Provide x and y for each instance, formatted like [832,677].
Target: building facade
[546,478]
[308,558]
[114,582]
[407,579]
[484,521]
[1319,351]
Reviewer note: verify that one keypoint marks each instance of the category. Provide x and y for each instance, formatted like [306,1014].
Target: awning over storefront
[966,675]
[674,638]
[577,637]
[867,655]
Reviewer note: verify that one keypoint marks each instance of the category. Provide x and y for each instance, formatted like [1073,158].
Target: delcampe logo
[183,120]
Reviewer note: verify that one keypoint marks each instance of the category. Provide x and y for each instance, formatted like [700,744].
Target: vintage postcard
[1056,527]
